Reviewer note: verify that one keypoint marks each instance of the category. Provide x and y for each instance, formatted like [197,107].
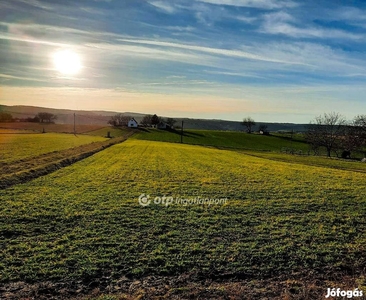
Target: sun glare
[67,62]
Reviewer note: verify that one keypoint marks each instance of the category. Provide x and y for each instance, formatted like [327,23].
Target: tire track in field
[30,168]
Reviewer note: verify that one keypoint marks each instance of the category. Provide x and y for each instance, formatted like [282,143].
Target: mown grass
[276,142]
[32,167]
[50,127]
[113,131]
[84,222]
[12,131]
[228,139]
[15,147]
[341,164]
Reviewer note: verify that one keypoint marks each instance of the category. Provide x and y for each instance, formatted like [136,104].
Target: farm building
[133,123]
[162,125]
[264,132]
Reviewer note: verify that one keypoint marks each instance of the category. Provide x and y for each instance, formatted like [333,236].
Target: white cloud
[148,52]
[38,4]
[214,51]
[164,6]
[245,19]
[348,13]
[242,74]
[283,23]
[180,28]
[322,60]
[351,15]
[7,77]
[31,40]
[265,4]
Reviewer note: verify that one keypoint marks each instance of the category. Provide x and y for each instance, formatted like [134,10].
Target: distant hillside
[236,126]
[83,117]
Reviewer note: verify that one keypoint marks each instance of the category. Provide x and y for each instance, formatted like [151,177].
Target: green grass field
[319,161]
[49,127]
[84,222]
[15,147]
[276,142]
[114,131]
[227,139]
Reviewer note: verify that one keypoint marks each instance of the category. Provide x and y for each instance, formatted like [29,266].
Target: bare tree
[352,139]
[146,120]
[360,122]
[155,120]
[45,117]
[113,121]
[263,129]
[355,135]
[248,123]
[171,121]
[119,120]
[5,117]
[326,131]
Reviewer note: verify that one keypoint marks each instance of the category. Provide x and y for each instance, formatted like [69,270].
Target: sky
[273,60]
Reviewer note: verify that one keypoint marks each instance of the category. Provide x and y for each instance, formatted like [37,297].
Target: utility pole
[74,125]
[181,133]
[292,135]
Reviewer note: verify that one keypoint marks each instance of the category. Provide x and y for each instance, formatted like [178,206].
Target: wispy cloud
[164,6]
[32,40]
[38,4]
[348,13]
[6,77]
[246,19]
[284,24]
[265,4]
[233,74]
[324,60]
[215,51]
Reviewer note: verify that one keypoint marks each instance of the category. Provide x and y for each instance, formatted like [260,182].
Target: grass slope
[30,168]
[56,128]
[84,222]
[114,131]
[14,147]
[228,139]
[335,163]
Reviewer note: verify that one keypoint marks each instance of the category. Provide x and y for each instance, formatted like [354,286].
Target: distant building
[264,132]
[133,123]
[162,125]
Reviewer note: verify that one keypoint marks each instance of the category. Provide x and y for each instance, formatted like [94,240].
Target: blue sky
[273,60]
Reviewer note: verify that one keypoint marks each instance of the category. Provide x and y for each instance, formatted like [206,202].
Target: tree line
[41,117]
[147,120]
[330,131]
[249,124]
[334,133]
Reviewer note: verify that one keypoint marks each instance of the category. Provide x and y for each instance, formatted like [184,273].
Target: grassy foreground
[84,222]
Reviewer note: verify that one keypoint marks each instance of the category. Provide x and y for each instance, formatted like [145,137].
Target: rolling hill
[66,116]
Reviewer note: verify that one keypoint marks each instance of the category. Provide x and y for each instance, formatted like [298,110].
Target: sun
[67,62]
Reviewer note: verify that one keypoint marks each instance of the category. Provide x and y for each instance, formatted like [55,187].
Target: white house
[133,123]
